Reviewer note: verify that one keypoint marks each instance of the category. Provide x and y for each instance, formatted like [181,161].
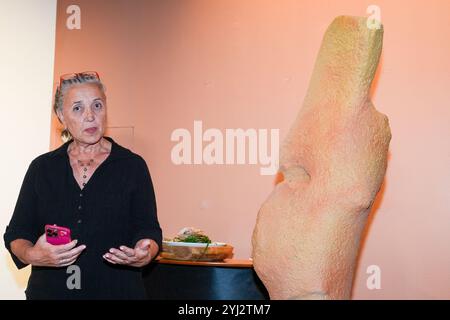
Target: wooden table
[227,263]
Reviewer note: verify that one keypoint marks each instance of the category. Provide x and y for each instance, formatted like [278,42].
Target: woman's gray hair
[78,78]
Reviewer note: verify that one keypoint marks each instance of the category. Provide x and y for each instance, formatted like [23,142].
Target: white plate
[193,244]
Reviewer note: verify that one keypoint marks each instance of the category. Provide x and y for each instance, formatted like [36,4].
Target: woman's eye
[98,105]
[77,108]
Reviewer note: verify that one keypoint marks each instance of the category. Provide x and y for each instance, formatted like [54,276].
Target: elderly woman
[98,189]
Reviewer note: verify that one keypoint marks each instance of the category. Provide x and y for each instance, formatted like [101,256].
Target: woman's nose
[89,115]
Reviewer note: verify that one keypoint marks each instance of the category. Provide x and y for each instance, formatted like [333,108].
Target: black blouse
[116,207]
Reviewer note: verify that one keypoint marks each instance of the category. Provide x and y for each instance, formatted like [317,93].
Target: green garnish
[197,239]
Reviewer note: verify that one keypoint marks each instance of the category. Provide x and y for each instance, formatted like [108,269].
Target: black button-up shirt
[116,207]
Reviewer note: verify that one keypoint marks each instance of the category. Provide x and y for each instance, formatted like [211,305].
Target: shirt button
[80,207]
[81,194]
[80,221]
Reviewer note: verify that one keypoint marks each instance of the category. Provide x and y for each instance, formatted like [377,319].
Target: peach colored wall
[246,64]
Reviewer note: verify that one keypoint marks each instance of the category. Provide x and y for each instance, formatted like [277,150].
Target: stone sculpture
[332,164]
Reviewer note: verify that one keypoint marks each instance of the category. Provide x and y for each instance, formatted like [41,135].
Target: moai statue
[332,164]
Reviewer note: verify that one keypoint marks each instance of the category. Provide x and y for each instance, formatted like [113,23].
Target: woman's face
[84,112]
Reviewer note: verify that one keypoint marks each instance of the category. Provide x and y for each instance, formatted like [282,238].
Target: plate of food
[193,244]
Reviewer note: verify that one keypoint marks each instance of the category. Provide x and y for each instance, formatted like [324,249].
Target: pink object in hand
[57,235]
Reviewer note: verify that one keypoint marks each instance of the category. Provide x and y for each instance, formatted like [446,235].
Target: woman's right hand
[44,254]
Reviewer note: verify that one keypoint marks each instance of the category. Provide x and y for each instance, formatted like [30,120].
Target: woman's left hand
[140,256]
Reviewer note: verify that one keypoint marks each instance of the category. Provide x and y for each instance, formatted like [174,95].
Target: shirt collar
[117,151]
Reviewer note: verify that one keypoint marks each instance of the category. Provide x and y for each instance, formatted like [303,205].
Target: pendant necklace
[84,165]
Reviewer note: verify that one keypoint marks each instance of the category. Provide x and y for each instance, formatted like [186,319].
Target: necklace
[85,166]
